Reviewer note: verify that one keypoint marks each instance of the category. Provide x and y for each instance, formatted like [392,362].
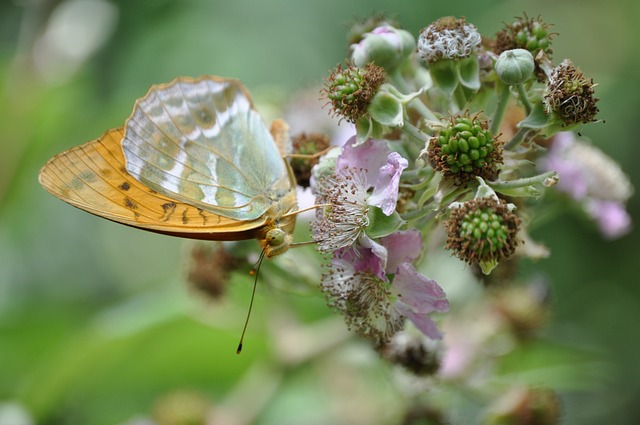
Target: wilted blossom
[358,285]
[592,178]
[359,168]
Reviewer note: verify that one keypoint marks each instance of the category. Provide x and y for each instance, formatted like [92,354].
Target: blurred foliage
[96,323]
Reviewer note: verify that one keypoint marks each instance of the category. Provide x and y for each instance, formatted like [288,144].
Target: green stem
[449,197]
[415,132]
[524,98]
[542,179]
[516,139]
[502,106]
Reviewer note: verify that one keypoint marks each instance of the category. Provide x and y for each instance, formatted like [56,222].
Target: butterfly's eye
[275,237]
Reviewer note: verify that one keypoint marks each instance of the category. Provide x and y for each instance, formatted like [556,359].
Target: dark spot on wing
[185,219]
[130,204]
[168,208]
[106,172]
[125,186]
[204,217]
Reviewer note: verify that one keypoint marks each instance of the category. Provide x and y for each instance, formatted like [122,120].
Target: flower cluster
[452,132]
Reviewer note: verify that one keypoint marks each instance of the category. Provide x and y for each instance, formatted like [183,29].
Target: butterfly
[194,160]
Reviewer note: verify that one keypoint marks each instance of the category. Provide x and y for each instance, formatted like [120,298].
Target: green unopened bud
[515,66]
[385,46]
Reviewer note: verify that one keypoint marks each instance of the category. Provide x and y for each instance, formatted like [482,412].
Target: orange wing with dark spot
[93,178]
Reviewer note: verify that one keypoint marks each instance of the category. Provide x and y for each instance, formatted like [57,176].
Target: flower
[593,179]
[346,195]
[358,285]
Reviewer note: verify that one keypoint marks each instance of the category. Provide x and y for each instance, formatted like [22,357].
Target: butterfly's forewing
[201,142]
[93,177]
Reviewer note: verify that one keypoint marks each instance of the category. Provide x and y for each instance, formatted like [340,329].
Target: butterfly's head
[276,242]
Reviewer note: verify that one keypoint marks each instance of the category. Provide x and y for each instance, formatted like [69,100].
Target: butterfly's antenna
[254,271]
[299,244]
[312,207]
[309,156]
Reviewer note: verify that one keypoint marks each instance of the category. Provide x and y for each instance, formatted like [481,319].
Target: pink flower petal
[385,192]
[402,247]
[422,294]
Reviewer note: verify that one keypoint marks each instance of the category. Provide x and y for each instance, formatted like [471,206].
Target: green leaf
[386,109]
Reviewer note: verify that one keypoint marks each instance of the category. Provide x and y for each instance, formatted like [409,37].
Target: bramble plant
[460,142]
[467,134]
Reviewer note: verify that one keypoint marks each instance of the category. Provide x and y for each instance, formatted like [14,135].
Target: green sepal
[386,109]
[488,266]
[381,225]
[445,75]
[367,128]
[469,72]
[537,119]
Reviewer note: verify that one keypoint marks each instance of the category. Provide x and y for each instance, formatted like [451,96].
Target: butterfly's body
[194,160]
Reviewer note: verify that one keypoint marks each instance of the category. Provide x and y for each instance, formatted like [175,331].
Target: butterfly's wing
[93,177]
[201,142]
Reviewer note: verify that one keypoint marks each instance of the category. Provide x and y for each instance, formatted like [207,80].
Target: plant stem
[415,132]
[502,106]
[516,139]
[523,98]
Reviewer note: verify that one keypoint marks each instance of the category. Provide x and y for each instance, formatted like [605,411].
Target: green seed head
[465,148]
[350,90]
[482,230]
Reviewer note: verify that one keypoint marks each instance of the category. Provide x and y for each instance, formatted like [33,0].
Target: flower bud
[530,34]
[515,66]
[385,46]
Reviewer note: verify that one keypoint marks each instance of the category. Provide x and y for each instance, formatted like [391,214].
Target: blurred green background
[96,323]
